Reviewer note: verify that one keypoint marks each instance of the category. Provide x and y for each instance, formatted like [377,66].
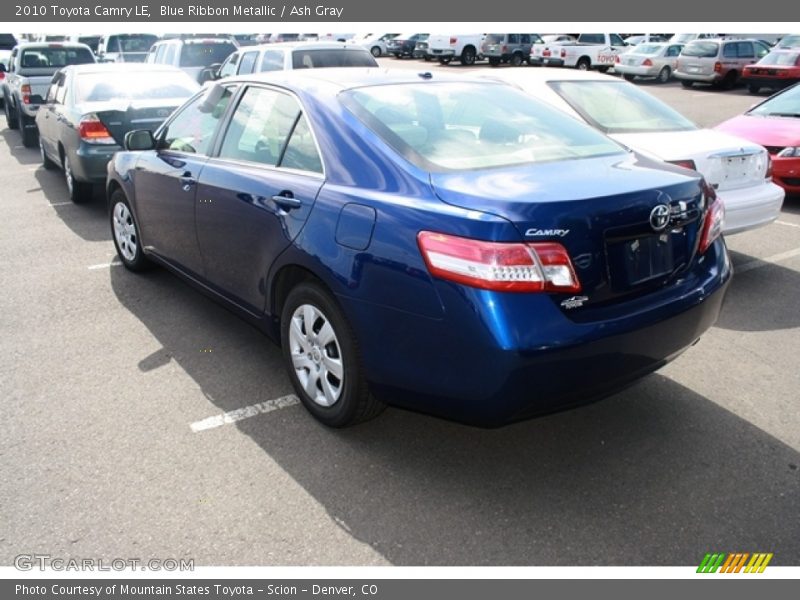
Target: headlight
[789,152]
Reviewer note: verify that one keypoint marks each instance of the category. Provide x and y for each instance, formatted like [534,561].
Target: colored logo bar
[734,562]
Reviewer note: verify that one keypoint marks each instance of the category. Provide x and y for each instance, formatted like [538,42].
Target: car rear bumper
[90,163]
[752,206]
[552,62]
[786,173]
[636,70]
[699,77]
[770,82]
[496,358]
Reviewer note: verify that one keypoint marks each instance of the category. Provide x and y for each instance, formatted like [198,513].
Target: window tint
[730,51]
[673,51]
[592,38]
[49,57]
[761,50]
[745,50]
[701,49]
[616,40]
[160,53]
[51,92]
[513,38]
[193,127]
[301,151]
[205,54]
[248,63]
[61,90]
[525,38]
[169,57]
[272,60]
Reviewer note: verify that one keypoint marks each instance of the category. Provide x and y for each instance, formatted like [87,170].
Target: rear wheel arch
[285,280]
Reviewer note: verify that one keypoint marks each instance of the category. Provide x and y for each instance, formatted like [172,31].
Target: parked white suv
[193,55]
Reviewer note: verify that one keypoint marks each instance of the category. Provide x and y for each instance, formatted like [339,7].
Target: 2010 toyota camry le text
[435,243]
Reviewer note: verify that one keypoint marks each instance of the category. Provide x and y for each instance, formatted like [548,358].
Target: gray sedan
[90,108]
[652,60]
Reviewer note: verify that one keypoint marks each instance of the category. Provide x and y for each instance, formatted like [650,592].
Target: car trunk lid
[614,246]
[120,117]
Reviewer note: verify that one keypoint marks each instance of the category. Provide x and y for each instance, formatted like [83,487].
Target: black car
[405,44]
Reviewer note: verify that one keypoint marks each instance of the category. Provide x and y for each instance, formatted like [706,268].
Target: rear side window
[268,127]
[54,57]
[272,61]
[248,63]
[592,38]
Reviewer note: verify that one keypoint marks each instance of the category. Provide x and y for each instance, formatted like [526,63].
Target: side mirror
[139,139]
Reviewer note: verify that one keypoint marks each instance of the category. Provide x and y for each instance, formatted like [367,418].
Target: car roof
[342,78]
[122,68]
[304,46]
[543,75]
[28,45]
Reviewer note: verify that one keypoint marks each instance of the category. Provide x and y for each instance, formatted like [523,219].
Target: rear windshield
[784,104]
[134,85]
[54,57]
[354,57]
[131,42]
[205,54]
[618,107]
[648,49]
[790,41]
[495,38]
[700,49]
[461,126]
[784,59]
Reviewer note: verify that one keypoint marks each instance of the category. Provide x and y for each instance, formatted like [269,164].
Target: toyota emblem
[659,217]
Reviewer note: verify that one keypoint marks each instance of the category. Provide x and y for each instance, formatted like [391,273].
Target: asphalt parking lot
[113,384]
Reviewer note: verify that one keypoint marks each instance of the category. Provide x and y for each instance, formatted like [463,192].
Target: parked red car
[777,70]
[775,124]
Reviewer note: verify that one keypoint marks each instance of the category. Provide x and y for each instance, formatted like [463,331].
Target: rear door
[255,195]
[165,181]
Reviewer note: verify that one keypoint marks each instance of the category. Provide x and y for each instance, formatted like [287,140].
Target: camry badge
[534,232]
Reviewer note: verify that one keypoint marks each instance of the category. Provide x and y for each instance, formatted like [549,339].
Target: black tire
[664,75]
[468,56]
[583,64]
[753,89]
[426,58]
[730,80]
[79,191]
[354,403]
[603,69]
[493,61]
[628,77]
[686,83]
[29,134]
[126,246]
[11,118]
[445,60]
[47,163]
[375,51]
[516,59]
[397,55]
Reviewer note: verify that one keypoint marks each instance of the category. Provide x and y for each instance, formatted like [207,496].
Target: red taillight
[92,131]
[453,41]
[717,67]
[616,59]
[25,90]
[686,164]
[499,266]
[713,220]
[563,53]
[504,48]
[546,52]
[2,75]
[647,62]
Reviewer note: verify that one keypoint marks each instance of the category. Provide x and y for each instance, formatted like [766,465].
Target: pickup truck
[463,47]
[589,51]
[30,68]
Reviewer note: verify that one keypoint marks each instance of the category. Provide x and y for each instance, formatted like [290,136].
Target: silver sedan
[654,60]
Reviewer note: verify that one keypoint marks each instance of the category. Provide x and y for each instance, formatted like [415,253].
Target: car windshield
[784,59]
[785,104]
[54,57]
[648,49]
[103,86]
[701,49]
[461,126]
[619,107]
[352,57]
[205,54]
[790,41]
[134,42]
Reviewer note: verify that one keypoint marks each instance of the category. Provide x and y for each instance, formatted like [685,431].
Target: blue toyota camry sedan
[430,242]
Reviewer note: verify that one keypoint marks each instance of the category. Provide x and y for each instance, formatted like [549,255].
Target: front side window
[462,126]
[338,57]
[228,68]
[616,40]
[192,129]
[268,128]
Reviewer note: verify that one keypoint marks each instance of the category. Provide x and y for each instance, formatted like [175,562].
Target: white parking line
[113,263]
[788,224]
[769,260]
[244,413]
[61,204]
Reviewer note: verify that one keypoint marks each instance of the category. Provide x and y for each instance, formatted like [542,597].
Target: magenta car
[775,124]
